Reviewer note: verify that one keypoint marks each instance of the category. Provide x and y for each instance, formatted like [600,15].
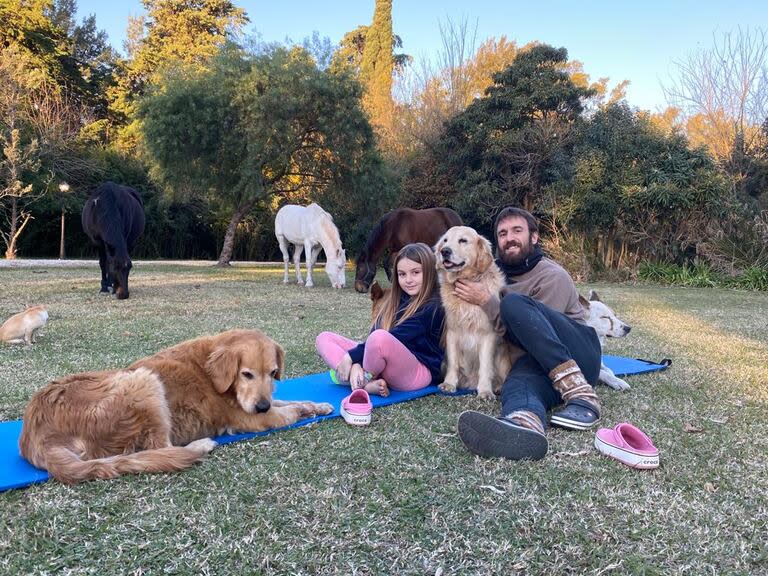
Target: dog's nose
[446,252]
[263,406]
[627,329]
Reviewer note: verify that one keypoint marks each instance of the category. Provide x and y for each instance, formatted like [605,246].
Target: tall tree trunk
[229,237]
[609,249]
[10,252]
[16,229]
[10,249]
[61,242]
[623,252]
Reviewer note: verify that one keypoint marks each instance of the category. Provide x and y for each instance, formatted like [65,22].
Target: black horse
[396,229]
[113,218]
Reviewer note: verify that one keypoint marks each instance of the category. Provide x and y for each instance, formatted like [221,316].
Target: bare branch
[725,86]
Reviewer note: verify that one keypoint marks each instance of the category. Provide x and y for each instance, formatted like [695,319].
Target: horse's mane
[326,224]
[330,229]
[373,237]
[316,207]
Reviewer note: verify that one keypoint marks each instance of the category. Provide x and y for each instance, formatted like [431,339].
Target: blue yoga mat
[15,472]
[627,366]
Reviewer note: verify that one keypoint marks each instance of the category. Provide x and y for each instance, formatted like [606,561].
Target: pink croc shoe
[356,408]
[629,445]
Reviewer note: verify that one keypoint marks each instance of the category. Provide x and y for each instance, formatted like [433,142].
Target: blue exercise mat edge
[16,472]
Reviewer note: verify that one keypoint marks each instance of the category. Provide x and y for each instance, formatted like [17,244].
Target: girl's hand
[343,369]
[356,376]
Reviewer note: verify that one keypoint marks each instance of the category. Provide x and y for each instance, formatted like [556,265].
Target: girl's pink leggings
[385,357]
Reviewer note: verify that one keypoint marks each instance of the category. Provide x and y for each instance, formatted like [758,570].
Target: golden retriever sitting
[157,415]
[22,328]
[473,349]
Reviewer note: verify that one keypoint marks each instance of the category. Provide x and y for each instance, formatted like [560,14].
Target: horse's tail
[64,464]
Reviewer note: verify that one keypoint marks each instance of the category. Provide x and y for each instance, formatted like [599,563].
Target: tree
[20,149]
[434,93]
[254,129]
[27,26]
[47,101]
[349,54]
[637,192]
[376,68]
[89,48]
[39,124]
[174,31]
[722,92]
[509,144]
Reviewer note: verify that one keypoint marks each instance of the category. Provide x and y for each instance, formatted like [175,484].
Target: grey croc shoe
[576,415]
[500,438]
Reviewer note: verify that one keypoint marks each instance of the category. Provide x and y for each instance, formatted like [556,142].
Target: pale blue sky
[633,40]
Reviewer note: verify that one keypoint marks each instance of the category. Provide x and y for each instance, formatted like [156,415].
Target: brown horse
[396,229]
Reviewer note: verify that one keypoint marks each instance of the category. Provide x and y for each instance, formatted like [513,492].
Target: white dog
[607,325]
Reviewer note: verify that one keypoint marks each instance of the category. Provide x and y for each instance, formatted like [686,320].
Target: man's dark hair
[513,211]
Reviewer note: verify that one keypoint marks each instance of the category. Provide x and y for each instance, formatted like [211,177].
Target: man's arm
[557,291]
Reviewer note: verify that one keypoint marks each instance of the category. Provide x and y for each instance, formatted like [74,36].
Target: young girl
[403,350]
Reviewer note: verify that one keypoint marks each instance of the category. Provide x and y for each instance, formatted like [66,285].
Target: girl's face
[410,276]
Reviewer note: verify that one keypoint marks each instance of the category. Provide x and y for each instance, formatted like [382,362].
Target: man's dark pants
[549,338]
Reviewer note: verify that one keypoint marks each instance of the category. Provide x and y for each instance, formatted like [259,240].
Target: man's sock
[568,379]
[526,419]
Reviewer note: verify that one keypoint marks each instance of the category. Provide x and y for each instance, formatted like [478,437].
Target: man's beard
[525,251]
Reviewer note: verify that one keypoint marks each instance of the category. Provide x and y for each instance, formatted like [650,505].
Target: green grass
[401,496]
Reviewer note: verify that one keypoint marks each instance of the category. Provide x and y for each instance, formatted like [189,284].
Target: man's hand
[472,292]
[343,369]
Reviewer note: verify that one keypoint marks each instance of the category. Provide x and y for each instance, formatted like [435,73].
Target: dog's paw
[323,408]
[447,387]
[204,445]
[312,409]
[618,384]
[485,394]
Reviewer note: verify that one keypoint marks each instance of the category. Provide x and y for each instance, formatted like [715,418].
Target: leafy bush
[702,275]
[753,278]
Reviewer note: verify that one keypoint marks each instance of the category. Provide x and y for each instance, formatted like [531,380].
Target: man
[540,313]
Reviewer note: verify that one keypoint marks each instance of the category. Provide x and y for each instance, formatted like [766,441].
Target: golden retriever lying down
[157,415]
[476,355]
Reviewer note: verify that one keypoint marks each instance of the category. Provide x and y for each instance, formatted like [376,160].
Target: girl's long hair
[421,254]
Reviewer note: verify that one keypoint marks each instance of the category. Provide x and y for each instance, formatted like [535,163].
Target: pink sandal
[629,445]
[356,409]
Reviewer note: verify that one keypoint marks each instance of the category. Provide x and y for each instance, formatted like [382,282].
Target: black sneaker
[500,438]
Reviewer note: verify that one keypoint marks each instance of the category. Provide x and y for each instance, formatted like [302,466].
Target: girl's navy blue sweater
[420,333]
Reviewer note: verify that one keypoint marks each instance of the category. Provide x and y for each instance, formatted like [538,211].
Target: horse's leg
[284,250]
[297,250]
[387,263]
[315,254]
[310,256]
[105,283]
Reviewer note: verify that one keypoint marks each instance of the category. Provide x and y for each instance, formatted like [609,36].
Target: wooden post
[61,243]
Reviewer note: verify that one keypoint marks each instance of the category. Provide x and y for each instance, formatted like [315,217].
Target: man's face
[514,240]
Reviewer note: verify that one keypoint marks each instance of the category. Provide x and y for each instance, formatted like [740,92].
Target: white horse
[311,229]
